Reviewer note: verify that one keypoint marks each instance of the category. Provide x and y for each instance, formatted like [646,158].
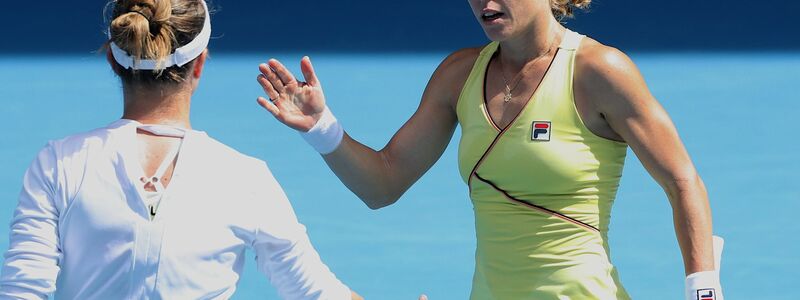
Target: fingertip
[308,72]
[262,101]
[306,62]
[264,68]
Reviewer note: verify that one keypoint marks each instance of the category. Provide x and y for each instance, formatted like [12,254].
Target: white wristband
[703,286]
[326,135]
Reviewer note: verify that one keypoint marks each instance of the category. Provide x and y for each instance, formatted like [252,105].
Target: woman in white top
[147,207]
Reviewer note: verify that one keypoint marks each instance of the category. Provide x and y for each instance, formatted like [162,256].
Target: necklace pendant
[507,97]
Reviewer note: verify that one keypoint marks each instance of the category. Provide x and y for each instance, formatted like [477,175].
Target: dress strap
[571,41]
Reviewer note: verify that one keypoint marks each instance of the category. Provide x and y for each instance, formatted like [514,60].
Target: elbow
[686,191]
[380,198]
[386,190]
[378,202]
[681,185]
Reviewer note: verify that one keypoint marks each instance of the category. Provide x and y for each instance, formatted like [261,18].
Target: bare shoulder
[608,74]
[602,62]
[460,60]
[448,80]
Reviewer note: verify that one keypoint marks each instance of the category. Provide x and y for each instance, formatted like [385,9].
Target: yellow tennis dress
[542,189]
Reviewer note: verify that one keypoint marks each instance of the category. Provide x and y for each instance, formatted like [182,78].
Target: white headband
[182,55]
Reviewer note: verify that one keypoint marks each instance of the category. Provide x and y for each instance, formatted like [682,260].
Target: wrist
[703,286]
[326,135]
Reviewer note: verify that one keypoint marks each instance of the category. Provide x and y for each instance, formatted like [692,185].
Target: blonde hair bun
[142,28]
[566,8]
[151,30]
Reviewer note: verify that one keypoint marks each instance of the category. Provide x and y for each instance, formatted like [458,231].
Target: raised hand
[297,104]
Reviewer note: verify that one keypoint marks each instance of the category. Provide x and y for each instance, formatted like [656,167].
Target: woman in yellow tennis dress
[546,116]
[542,187]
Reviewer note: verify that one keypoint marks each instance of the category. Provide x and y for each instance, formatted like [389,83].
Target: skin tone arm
[299,105]
[379,178]
[621,106]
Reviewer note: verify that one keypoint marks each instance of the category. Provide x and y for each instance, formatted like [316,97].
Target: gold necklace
[515,81]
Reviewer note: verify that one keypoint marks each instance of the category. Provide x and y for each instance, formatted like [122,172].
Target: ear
[114,65]
[199,63]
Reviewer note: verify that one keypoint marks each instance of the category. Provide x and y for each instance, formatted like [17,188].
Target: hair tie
[143,15]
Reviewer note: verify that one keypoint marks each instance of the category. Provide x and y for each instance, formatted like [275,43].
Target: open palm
[297,104]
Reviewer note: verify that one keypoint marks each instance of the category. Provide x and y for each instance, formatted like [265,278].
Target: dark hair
[152,30]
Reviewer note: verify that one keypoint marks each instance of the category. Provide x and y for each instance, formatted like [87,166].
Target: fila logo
[706,294]
[541,131]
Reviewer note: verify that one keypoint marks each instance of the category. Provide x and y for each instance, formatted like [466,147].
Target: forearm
[693,225]
[366,172]
[622,98]
[379,178]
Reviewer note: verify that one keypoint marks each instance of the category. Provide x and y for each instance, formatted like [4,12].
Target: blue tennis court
[736,113]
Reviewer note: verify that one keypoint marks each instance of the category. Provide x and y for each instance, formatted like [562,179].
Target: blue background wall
[417,25]
[425,243]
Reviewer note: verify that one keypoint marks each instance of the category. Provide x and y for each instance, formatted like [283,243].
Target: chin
[496,35]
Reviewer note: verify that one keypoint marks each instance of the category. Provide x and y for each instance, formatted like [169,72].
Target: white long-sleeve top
[82,231]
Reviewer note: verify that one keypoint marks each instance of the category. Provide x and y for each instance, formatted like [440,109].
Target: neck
[538,40]
[164,106]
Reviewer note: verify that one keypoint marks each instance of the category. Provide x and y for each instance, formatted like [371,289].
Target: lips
[491,15]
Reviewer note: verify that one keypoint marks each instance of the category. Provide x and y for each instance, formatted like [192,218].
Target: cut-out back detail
[153,186]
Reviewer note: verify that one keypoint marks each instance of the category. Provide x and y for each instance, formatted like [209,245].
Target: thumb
[308,72]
